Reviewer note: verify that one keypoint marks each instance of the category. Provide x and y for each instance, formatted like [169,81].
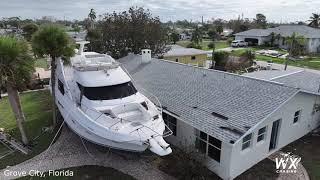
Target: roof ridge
[287,75]
[228,73]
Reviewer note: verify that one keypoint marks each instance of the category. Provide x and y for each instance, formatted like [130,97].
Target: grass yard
[41,63]
[308,149]
[37,109]
[311,62]
[204,44]
[87,173]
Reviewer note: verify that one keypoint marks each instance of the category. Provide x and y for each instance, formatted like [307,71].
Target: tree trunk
[17,98]
[14,100]
[53,89]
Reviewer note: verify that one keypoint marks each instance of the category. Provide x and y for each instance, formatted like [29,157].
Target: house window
[296,116]
[193,58]
[61,87]
[208,145]
[171,122]
[246,142]
[262,134]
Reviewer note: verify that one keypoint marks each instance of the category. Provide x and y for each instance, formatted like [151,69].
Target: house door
[274,134]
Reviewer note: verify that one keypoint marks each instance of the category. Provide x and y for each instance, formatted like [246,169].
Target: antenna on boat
[81,48]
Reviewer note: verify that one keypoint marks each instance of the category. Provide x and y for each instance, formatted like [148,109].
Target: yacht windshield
[108,92]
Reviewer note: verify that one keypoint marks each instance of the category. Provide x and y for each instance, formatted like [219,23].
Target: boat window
[108,92]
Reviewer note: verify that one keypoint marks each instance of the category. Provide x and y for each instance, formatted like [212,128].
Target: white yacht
[100,103]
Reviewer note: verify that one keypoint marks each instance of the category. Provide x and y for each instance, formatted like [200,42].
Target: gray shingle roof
[254,32]
[304,80]
[295,78]
[177,50]
[195,93]
[284,30]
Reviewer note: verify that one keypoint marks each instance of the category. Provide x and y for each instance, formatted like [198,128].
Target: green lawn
[311,62]
[41,63]
[36,106]
[204,44]
[308,149]
[87,173]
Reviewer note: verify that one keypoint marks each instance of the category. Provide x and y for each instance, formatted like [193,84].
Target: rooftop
[304,80]
[284,30]
[177,50]
[224,105]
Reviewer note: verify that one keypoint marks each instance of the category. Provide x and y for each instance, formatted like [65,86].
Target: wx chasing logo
[287,163]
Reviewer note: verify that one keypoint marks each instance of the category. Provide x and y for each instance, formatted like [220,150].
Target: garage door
[252,41]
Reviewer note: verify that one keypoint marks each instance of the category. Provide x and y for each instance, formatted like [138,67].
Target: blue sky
[275,10]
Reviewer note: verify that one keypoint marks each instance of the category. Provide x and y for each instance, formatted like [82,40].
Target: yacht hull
[92,137]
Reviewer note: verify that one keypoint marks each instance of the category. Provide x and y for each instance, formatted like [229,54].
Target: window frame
[263,134]
[208,144]
[246,142]
[296,118]
[193,58]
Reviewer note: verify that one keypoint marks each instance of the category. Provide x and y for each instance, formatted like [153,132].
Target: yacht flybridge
[100,103]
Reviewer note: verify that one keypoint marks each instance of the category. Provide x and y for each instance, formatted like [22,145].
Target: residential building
[263,36]
[191,56]
[236,121]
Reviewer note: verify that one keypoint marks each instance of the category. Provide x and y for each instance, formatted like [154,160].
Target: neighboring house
[263,36]
[236,121]
[189,56]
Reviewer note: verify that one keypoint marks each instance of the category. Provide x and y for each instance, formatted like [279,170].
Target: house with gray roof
[263,36]
[235,121]
[189,56]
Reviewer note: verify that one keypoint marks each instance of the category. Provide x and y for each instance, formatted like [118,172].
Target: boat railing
[168,131]
[151,96]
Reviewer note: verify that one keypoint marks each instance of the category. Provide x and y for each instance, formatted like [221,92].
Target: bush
[221,58]
[249,56]
[229,40]
[193,45]
[211,45]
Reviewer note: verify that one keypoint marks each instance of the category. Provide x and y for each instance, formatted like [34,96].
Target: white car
[239,43]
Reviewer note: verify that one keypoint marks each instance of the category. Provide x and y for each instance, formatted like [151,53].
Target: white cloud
[275,10]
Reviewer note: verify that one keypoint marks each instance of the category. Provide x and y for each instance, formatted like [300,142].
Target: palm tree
[296,46]
[16,67]
[53,41]
[314,20]
[92,16]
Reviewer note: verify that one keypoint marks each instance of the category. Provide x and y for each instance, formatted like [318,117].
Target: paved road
[68,151]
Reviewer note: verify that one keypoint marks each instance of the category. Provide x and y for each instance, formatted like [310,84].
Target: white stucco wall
[186,138]
[289,132]
[313,45]
[234,161]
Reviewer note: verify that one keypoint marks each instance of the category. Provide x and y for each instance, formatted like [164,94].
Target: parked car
[239,43]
